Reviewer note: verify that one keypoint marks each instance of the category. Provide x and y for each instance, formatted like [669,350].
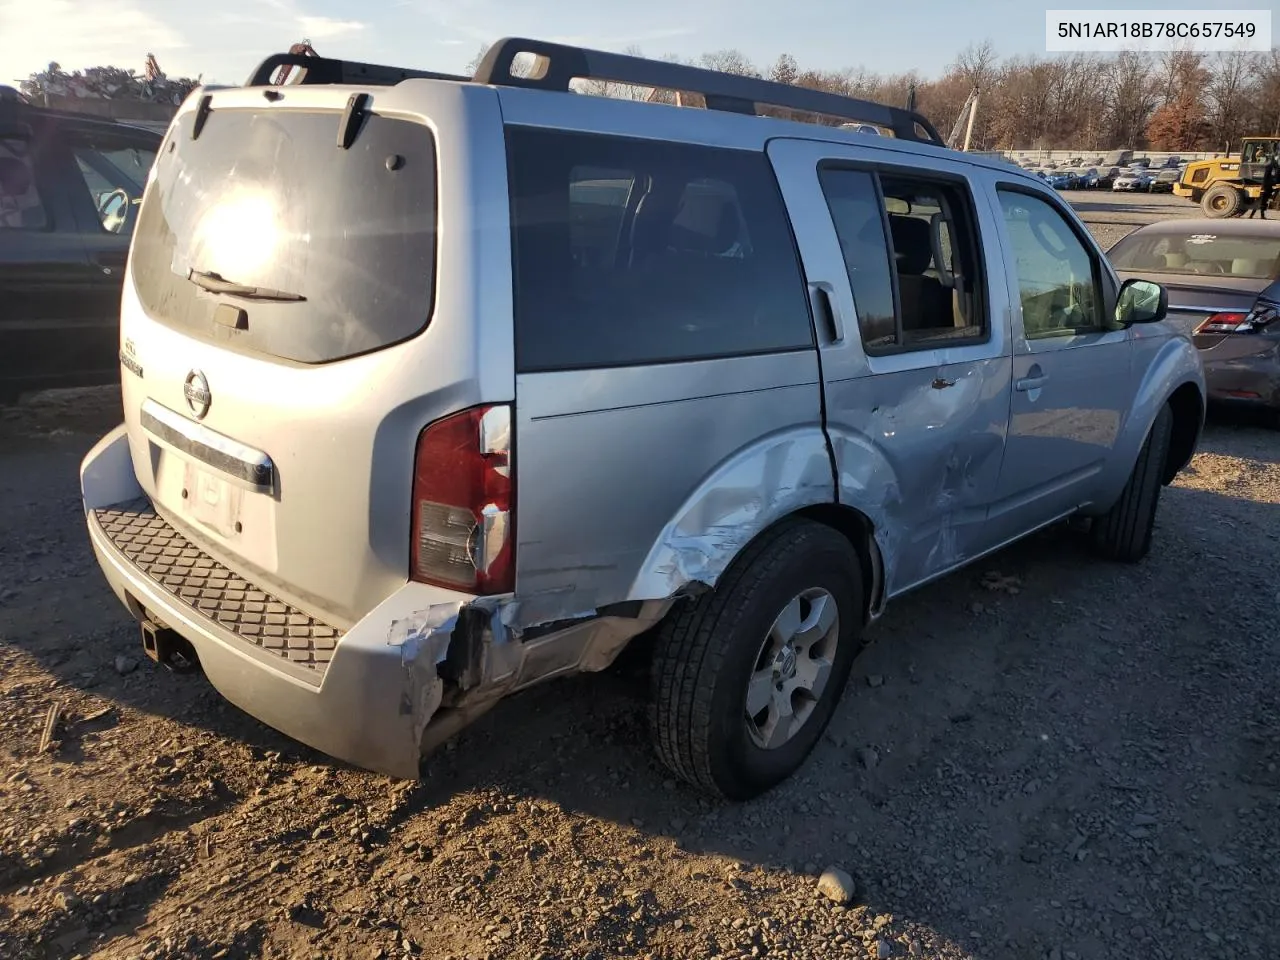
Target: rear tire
[1222,200]
[711,657]
[1124,532]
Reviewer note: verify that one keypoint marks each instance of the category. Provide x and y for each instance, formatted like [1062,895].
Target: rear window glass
[1200,254]
[631,252]
[268,201]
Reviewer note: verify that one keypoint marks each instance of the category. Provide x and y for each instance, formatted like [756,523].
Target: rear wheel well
[859,531]
[1188,414]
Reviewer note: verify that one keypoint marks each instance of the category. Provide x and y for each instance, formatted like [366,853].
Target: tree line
[1177,101]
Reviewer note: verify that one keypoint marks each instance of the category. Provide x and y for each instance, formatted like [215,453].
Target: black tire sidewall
[740,768]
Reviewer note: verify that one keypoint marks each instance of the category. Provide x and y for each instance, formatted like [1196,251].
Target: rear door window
[910,247]
[333,250]
[20,205]
[632,252]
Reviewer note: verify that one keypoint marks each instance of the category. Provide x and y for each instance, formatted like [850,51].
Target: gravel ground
[1039,757]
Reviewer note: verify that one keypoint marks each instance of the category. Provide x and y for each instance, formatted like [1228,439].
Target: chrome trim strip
[1196,308]
[244,465]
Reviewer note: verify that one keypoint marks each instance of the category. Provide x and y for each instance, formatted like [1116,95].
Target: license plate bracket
[212,501]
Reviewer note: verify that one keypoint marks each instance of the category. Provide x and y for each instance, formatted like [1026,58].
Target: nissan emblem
[196,390]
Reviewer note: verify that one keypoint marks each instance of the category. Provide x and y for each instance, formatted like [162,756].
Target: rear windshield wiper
[214,283]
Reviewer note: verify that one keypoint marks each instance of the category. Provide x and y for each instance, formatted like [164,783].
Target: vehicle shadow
[981,733]
[982,727]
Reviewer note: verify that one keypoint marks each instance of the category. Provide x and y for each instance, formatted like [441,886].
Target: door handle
[827,309]
[1030,383]
[109,263]
[941,383]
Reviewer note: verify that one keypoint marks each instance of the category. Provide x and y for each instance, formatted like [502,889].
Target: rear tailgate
[293,318]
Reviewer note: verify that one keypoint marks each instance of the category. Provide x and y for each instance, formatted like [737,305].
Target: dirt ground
[1067,761]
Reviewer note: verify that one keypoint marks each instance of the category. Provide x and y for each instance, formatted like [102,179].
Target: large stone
[836,885]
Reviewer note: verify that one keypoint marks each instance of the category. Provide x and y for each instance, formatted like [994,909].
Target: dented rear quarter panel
[637,481]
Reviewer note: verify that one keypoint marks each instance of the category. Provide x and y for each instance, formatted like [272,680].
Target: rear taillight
[1224,323]
[1262,315]
[464,503]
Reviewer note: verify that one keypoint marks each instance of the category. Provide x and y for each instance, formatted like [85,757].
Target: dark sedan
[1221,276]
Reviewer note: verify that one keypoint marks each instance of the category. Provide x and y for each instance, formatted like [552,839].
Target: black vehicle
[70,186]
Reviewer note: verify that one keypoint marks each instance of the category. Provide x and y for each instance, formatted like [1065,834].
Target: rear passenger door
[665,363]
[913,341]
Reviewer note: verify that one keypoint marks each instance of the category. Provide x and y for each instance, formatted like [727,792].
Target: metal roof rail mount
[312,70]
[557,64]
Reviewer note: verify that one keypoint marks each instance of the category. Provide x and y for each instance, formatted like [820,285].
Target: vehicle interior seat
[19,206]
[926,303]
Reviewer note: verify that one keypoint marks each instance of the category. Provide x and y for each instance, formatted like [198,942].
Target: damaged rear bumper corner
[417,668]
[358,713]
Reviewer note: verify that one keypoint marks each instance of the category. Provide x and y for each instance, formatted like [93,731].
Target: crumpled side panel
[759,486]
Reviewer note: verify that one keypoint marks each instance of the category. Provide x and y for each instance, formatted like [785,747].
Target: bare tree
[976,63]
[730,61]
[1132,97]
[785,69]
[474,65]
[1228,96]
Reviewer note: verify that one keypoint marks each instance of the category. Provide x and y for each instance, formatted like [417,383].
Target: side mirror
[1141,301]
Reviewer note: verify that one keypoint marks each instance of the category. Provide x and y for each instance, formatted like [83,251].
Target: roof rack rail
[328,70]
[558,64]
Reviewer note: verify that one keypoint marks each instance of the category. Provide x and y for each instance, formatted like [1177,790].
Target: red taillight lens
[1223,323]
[463,503]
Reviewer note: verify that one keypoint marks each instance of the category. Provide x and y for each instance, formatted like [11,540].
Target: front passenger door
[1071,364]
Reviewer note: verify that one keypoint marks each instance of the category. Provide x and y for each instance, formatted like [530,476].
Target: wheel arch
[1188,406]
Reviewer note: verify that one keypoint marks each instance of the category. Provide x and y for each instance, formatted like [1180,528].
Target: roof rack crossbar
[558,64]
[328,70]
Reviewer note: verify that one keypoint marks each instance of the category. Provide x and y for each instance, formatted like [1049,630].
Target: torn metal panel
[424,641]
[459,659]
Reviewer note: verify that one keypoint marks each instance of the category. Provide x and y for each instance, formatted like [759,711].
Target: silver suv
[437,387]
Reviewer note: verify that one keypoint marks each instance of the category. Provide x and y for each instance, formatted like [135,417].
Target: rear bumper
[414,670]
[1250,380]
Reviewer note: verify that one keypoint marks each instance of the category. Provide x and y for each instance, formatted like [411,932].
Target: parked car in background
[1089,178]
[1171,162]
[1164,180]
[1221,276]
[1061,179]
[1107,176]
[1132,180]
[70,186]
[373,481]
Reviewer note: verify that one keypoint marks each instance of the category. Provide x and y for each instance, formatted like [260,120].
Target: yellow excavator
[1228,186]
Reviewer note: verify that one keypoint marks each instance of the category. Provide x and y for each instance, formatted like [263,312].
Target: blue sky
[225,39]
